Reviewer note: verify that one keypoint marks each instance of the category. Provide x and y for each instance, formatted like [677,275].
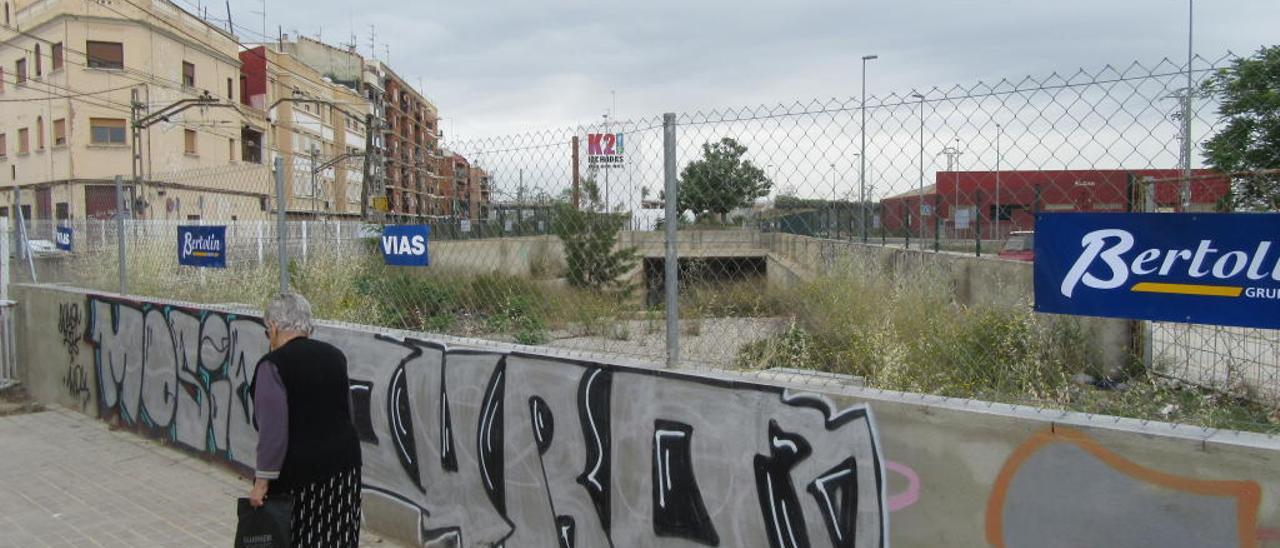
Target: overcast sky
[498,67]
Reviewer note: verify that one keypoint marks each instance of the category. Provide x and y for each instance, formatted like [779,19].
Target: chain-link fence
[884,241]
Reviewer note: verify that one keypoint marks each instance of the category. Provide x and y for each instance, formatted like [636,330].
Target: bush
[903,331]
[589,239]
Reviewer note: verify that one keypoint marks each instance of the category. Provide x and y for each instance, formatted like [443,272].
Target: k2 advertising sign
[605,150]
[405,245]
[203,246]
[63,238]
[1209,268]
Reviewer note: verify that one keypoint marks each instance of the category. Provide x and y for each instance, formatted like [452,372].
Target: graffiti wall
[470,447]
[503,449]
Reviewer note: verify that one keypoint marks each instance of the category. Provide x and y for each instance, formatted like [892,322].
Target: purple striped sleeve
[271,406]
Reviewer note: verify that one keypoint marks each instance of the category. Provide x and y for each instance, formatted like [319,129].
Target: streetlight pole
[1186,114]
[920,190]
[605,167]
[862,154]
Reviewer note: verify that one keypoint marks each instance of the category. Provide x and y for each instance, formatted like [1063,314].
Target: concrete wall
[487,444]
[977,281]
[512,256]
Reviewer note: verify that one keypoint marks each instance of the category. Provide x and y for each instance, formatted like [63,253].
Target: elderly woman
[307,445]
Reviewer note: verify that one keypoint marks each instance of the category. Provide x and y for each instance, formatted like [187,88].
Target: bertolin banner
[204,246]
[1210,268]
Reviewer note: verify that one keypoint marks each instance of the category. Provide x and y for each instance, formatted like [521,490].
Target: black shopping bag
[266,526]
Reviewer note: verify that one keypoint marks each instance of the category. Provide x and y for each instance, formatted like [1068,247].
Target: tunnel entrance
[702,272]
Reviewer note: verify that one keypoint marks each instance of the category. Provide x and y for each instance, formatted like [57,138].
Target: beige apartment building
[70,71]
[317,126]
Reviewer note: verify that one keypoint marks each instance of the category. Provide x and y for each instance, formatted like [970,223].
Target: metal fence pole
[120,250]
[4,258]
[24,240]
[671,274]
[283,254]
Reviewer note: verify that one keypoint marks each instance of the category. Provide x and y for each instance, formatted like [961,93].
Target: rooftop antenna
[263,13]
[231,28]
[373,42]
[351,24]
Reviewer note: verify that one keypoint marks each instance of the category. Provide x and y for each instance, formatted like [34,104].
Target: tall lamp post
[1185,191]
[920,190]
[862,154]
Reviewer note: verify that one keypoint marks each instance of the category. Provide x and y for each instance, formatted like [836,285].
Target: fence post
[260,224]
[4,258]
[937,219]
[120,250]
[977,221]
[25,240]
[671,275]
[1148,190]
[283,254]
[304,242]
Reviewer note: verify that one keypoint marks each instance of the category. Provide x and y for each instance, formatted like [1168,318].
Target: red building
[962,202]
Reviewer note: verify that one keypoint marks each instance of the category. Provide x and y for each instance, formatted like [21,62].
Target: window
[20,71]
[106,131]
[189,142]
[4,211]
[56,53]
[4,146]
[39,62]
[1005,213]
[188,74]
[6,13]
[107,55]
[24,135]
[59,132]
[61,211]
[230,92]
[39,132]
[231,150]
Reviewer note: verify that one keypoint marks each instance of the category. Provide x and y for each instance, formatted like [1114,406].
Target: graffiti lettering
[513,449]
[75,380]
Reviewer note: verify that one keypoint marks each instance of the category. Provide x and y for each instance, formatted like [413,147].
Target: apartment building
[70,73]
[412,151]
[468,186]
[317,126]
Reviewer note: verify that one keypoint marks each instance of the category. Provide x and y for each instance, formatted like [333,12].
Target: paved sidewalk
[67,480]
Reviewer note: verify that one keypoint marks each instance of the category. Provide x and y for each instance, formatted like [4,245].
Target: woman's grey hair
[290,312]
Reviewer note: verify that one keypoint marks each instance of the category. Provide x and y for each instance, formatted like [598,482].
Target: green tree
[590,238]
[1249,138]
[721,181]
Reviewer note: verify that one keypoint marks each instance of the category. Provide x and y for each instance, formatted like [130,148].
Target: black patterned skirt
[326,513]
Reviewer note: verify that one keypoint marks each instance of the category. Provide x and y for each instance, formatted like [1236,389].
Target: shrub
[589,239]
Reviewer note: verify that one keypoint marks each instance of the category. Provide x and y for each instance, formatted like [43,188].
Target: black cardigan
[322,438]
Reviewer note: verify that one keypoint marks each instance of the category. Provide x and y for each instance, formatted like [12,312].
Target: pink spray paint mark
[1268,534]
[911,494]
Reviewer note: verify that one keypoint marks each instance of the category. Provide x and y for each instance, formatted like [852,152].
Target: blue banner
[204,246]
[1210,268]
[405,245]
[64,238]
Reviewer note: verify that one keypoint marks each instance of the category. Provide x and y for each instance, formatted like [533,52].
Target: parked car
[1020,246]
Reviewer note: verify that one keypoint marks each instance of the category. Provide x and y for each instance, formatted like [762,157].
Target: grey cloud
[504,66]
